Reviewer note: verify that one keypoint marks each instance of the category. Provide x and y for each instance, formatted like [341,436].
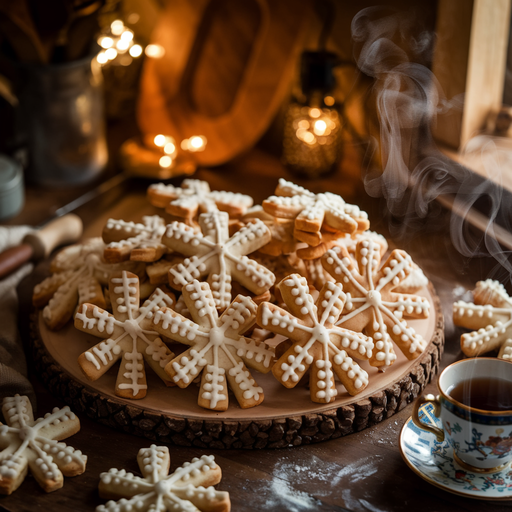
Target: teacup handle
[428,399]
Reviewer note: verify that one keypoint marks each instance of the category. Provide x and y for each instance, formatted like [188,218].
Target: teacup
[481,436]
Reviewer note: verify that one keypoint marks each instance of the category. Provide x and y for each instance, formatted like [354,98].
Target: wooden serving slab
[287,417]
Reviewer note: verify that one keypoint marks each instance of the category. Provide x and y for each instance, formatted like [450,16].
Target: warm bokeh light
[136,50]
[117,27]
[329,101]
[320,127]
[102,58]
[160,140]
[314,112]
[309,138]
[155,51]
[106,42]
[127,35]
[196,142]
[122,45]
[165,161]
[111,53]
[169,148]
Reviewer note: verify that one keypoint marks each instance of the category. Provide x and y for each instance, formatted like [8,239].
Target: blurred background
[404,102]
[233,74]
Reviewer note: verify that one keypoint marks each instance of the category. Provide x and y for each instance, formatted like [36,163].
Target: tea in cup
[475,407]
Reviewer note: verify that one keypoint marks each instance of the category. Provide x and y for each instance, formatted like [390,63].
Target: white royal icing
[372,288]
[196,194]
[316,327]
[315,207]
[217,346]
[159,491]
[34,440]
[128,319]
[492,319]
[219,256]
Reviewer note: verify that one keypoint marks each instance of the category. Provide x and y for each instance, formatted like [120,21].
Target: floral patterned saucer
[433,462]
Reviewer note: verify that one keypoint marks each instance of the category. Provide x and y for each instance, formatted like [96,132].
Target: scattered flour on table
[285,497]
[358,505]
[357,471]
[281,492]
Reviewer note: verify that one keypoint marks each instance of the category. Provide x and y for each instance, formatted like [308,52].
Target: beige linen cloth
[13,366]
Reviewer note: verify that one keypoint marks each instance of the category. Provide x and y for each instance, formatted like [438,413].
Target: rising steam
[415,173]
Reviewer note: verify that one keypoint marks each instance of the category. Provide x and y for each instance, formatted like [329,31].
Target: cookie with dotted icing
[127,335]
[189,488]
[317,343]
[372,305]
[195,196]
[311,211]
[79,273]
[218,348]
[316,274]
[490,318]
[35,444]
[219,257]
[134,240]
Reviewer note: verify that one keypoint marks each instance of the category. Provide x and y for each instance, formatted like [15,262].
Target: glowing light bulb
[155,51]
[111,53]
[117,27]
[320,127]
[160,140]
[136,50]
[165,161]
[106,42]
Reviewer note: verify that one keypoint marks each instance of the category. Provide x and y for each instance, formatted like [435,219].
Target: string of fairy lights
[119,47]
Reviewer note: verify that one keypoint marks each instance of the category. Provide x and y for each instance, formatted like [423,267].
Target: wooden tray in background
[227,69]
[286,417]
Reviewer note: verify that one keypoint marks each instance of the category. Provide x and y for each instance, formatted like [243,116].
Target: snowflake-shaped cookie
[129,335]
[25,442]
[158,491]
[218,348]
[311,211]
[79,273]
[195,196]
[134,240]
[490,317]
[372,305]
[317,342]
[220,257]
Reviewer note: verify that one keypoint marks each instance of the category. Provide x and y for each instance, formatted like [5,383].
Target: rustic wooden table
[361,472]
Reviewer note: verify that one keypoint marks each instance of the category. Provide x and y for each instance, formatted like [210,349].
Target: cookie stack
[198,293]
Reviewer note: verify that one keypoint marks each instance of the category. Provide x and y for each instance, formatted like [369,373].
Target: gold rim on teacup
[448,398]
[437,406]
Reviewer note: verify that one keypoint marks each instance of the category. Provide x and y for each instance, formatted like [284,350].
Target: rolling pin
[39,244]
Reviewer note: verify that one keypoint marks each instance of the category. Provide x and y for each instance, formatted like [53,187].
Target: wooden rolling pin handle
[64,230]
[14,257]
[39,244]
